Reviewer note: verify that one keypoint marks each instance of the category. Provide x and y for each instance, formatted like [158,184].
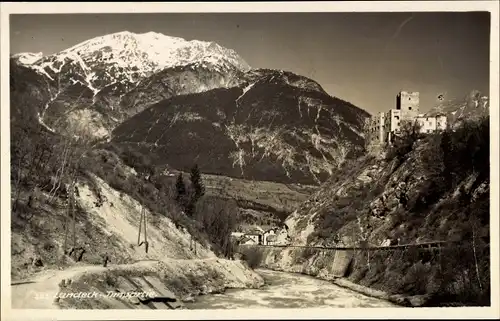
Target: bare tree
[27,152]
[80,146]
[218,216]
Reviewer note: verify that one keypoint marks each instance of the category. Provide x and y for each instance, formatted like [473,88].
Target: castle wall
[408,103]
[381,127]
[375,129]
[441,122]
[431,124]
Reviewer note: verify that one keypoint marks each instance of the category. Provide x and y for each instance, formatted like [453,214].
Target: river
[288,290]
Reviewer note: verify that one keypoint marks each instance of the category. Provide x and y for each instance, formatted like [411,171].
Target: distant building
[431,124]
[271,239]
[382,127]
[376,129]
[270,236]
[246,240]
[257,237]
[237,234]
[408,104]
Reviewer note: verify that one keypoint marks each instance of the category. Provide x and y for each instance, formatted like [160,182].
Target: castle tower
[408,103]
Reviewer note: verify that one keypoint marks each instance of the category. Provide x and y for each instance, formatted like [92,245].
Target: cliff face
[473,106]
[416,195]
[277,127]
[425,189]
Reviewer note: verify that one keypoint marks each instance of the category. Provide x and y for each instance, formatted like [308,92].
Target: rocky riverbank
[381,276]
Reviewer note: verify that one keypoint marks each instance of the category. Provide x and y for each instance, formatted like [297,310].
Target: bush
[403,143]
[253,256]
[137,161]
[308,253]
[457,153]
[218,218]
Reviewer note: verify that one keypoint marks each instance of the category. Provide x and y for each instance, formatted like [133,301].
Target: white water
[287,290]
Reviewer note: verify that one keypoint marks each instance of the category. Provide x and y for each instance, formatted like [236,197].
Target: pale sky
[364,58]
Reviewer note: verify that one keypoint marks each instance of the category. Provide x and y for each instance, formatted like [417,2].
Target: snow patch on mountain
[472,106]
[245,90]
[27,58]
[126,57]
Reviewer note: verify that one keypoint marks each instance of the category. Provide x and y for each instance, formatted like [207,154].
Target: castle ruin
[382,127]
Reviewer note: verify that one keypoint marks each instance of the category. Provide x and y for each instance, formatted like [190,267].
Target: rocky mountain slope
[471,107]
[250,123]
[106,224]
[433,188]
[178,103]
[277,126]
[414,182]
[89,80]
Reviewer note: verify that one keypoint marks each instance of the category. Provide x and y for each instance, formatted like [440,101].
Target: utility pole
[146,244]
[141,220]
[140,228]
[66,226]
[74,215]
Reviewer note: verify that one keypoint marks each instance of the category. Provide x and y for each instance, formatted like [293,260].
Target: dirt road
[39,292]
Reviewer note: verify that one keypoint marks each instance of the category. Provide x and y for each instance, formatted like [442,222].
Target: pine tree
[180,188]
[199,189]
[448,161]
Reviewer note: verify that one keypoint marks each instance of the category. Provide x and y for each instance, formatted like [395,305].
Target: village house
[245,240]
[237,235]
[257,236]
[382,127]
[271,239]
[270,236]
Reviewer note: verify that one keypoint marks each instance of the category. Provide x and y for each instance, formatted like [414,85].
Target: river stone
[419,300]
[189,299]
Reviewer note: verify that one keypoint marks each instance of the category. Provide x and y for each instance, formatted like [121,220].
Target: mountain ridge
[129,57]
[273,120]
[271,126]
[472,106]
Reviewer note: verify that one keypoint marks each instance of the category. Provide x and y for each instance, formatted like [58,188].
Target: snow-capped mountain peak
[126,57]
[27,58]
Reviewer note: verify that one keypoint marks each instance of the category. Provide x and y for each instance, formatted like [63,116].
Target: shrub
[218,218]
[308,253]
[253,256]
[403,143]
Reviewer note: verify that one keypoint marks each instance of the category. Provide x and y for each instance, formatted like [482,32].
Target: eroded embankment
[143,285]
[106,225]
[381,274]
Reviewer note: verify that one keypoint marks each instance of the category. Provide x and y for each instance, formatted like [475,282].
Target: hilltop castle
[382,127]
